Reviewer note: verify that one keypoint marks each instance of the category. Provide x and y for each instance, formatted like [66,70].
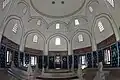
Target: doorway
[58,62]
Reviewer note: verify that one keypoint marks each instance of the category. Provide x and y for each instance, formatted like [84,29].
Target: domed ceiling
[57,8]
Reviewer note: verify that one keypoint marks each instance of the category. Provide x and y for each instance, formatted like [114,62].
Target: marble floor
[90,74]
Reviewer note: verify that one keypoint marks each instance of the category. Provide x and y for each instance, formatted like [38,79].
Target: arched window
[101,27]
[77,22]
[15,28]
[83,60]
[80,38]
[111,2]
[9,57]
[33,60]
[107,55]
[57,41]
[57,26]
[35,38]
[38,22]
[5,2]
[24,10]
[90,9]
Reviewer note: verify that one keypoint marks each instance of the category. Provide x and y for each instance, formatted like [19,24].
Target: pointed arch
[26,35]
[110,20]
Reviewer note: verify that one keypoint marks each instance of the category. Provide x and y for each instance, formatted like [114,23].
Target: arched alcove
[77,22]
[13,31]
[38,22]
[23,8]
[58,46]
[107,32]
[58,51]
[57,26]
[81,43]
[91,8]
[34,41]
[34,45]
[103,30]
[11,39]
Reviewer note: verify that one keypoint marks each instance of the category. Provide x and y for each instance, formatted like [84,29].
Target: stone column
[69,49]
[21,46]
[94,45]
[19,59]
[0,37]
[46,49]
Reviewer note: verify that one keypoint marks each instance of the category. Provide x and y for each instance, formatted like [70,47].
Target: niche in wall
[34,43]
[104,34]
[81,44]
[13,30]
[58,45]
